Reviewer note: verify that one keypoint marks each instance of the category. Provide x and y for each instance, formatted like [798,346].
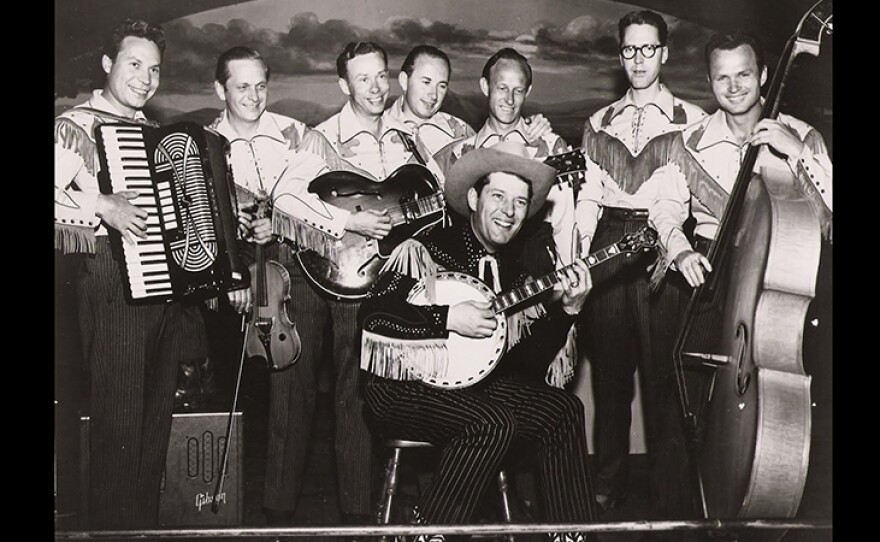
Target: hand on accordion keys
[117,211]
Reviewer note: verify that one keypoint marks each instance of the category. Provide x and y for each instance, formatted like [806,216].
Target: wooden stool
[389,486]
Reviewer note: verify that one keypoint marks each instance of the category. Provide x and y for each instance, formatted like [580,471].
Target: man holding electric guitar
[477,421]
[379,178]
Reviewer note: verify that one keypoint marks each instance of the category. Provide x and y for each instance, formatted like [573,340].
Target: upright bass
[751,428]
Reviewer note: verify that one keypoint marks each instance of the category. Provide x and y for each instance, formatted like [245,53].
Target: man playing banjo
[510,408]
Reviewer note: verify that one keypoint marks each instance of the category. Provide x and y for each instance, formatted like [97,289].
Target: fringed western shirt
[401,340]
[76,173]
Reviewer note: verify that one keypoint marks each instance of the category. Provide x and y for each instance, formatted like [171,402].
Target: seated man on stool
[475,427]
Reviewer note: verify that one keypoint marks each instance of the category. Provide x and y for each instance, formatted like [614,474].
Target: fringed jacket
[76,172]
[401,340]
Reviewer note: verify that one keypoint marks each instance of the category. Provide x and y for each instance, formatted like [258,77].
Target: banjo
[470,360]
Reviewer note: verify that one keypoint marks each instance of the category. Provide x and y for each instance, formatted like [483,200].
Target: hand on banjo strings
[576,284]
[474,319]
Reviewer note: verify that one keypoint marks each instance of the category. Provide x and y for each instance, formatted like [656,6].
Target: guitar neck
[415,209]
[540,285]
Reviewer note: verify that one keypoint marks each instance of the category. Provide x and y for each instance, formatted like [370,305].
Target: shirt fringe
[518,323]
[412,259]
[658,268]
[69,239]
[401,359]
[306,237]
[73,136]
[630,172]
[561,369]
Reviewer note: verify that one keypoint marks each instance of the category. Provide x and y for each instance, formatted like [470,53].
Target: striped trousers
[625,326]
[292,394]
[132,354]
[476,428]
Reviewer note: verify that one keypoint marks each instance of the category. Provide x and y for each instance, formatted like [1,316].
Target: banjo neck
[537,286]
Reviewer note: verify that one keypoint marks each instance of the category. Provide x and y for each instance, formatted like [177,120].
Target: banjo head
[470,360]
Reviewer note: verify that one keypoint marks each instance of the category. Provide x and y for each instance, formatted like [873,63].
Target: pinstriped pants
[132,358]
[292,393]
[626,326]
[476,428]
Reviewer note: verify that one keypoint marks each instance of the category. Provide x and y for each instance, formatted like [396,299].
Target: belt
[621,213]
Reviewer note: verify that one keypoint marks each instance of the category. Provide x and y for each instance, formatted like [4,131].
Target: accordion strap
[116,118]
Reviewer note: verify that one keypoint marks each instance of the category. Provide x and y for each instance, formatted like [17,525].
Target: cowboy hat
[508,157]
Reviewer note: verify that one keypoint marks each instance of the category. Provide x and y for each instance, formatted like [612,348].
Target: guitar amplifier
[192,468]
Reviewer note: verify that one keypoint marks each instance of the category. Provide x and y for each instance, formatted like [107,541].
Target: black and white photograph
[443,270]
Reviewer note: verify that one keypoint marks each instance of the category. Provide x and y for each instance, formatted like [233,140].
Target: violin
[272,334]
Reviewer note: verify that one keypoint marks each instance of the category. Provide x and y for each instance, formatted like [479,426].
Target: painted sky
[571,44]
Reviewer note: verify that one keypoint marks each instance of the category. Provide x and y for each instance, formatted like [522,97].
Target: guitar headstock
[813,25]
[644,239]
[571,166]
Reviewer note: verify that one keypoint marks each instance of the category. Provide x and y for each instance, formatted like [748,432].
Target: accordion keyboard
[129,169]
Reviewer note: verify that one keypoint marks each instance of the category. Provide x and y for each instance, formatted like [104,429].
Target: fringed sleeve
[306,237]
[71,136]
[519,323]
[412,259]
[545,350]
[561,369]
[69,239]
[701,184]
[76,188]
[814,171]
[399,336]
[396,359]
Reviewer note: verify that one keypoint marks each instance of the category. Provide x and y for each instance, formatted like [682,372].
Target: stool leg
[505,501]
[389,488]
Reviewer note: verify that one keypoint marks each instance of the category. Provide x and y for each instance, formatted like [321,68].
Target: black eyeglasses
[629,51]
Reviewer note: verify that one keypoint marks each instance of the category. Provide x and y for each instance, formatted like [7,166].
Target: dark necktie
[489,272]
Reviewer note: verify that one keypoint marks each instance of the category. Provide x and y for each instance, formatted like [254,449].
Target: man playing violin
[267,164]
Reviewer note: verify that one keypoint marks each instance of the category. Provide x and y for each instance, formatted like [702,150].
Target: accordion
[184,184]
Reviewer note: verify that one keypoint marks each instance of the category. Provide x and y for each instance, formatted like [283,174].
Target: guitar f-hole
[361,271]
